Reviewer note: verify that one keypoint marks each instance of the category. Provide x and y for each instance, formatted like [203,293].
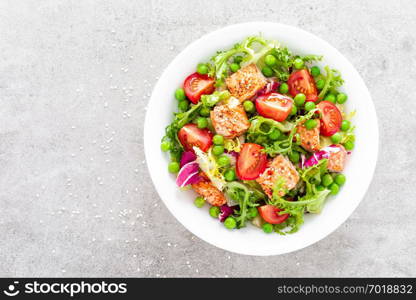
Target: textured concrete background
[75,196]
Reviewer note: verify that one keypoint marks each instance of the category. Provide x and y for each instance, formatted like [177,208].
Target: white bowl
[251,240]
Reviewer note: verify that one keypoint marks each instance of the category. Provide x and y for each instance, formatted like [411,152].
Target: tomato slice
[251,161]
[196,85]
[331,118]
[190,135]
[302,82]
[274,106]
[270,214]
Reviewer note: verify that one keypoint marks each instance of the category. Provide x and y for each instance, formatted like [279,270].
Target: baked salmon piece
[246,82]
[336,160]
[210,193]
[230,120]
[279,167]
[309,138]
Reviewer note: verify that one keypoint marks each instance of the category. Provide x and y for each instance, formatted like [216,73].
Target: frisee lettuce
[333,80]
[312,201]
[246,197]
[208,164]
[285,146]
[212,99]
[285,60]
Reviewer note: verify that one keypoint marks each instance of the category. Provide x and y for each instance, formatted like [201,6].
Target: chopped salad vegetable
[262,135]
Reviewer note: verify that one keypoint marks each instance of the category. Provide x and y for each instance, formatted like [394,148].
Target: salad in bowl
[261,135]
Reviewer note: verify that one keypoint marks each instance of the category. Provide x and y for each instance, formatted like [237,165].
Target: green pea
[267,228]
[298,63]
[309,106]
[223,161]
[268,72]
[270,60]
[238,59]
[327,180]
[320,188]
[175,156]
[294,157]
[349,145]
[334,188]
[320,84]
[345,125]
[311,124]
[202,69]
[315,71]
[330,98]
[202,122]
[340,179]
[284,88]
[230,175]
[218,139]
[342,98]
[180,94]
[217,150]
[234,67]
[173,167]
[248,106]
[336,138]
[204,112]
[300,99]
[253,212]
[230,223]
[294,110]
[183,105]
[199,202]
[214,211]
[275,134]
[165,146]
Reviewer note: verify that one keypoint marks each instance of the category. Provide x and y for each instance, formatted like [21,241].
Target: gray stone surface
[75,196]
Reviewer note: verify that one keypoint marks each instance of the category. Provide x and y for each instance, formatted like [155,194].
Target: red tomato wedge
[251,161]
[270,214]
[302,82]
[190,135]
[274,106]
[331,118]
[196,85]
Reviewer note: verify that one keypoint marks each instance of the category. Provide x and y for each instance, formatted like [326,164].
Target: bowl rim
[371,165]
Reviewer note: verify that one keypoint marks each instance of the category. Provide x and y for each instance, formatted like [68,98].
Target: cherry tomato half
[331,118]
[196,85]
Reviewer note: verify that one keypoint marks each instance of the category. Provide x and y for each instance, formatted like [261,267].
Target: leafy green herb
[311,58]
